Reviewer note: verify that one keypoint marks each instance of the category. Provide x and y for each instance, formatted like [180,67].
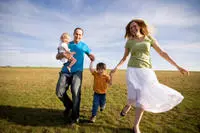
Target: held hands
[91,56]
[183,71]
[111,73]
[113,70]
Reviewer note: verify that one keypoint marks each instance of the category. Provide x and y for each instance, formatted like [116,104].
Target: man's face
[78,34]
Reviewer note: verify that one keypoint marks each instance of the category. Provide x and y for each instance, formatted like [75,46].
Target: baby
[63,48]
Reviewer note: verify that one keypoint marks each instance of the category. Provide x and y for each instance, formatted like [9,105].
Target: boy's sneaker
[92,119]
[102,108]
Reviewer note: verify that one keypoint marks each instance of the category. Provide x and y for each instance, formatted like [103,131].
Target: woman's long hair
[143,28]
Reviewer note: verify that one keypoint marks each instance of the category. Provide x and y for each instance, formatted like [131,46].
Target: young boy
[101,81]
[63,48]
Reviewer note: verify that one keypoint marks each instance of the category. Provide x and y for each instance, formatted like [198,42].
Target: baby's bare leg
[72,61]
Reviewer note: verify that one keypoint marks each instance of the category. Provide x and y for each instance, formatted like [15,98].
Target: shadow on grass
[32,116]
[46,117]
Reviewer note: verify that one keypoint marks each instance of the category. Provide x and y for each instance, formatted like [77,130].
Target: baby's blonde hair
[64,35]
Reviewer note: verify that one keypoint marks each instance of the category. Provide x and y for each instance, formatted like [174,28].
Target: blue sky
[30,30]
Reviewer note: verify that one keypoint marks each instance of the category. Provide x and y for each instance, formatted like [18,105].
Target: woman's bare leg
[138,116]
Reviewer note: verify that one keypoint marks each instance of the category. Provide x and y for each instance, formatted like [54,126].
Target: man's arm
[91,56]
[66,55]
[59,56]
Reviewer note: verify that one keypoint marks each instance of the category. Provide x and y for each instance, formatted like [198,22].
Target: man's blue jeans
[98,100]
[75,80]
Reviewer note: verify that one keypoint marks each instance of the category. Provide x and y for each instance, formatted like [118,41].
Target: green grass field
[28,104]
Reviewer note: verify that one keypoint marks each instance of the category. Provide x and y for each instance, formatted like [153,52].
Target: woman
[144,90]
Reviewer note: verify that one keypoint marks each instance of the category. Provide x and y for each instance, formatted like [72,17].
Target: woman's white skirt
[145,91]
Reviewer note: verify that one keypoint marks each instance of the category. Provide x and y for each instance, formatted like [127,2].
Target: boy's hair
[101,65]
[64,35]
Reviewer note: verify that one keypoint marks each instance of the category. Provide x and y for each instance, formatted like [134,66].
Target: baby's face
[66,39]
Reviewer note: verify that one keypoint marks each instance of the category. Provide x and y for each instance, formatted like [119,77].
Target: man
[74,78]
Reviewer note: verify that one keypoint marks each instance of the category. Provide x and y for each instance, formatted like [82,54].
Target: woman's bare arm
[164,54]
[126,53]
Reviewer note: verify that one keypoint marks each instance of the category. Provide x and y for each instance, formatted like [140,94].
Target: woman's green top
[140,53]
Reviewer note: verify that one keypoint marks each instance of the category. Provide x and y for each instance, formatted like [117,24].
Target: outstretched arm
[126,53]
[111,78]
[164,54]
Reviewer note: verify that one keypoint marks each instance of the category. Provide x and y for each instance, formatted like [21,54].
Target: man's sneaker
[67,113]
[92,119]
[74,121]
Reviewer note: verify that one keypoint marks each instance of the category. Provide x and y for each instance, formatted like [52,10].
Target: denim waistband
[66,74]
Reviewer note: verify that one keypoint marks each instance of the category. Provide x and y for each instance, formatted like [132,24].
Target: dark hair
[78,28]
[101,65]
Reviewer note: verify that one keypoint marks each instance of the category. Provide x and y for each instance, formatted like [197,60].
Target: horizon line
[9,66]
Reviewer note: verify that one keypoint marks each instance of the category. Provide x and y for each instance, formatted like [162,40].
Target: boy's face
[100,71]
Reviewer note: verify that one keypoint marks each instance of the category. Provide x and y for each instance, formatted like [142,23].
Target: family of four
[144,90]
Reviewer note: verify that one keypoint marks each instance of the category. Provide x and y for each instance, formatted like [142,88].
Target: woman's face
[134,28]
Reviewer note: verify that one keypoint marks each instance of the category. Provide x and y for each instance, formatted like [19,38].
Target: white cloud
[15,58]
[180,15]
[34,27]
[30,20]
[182,46]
